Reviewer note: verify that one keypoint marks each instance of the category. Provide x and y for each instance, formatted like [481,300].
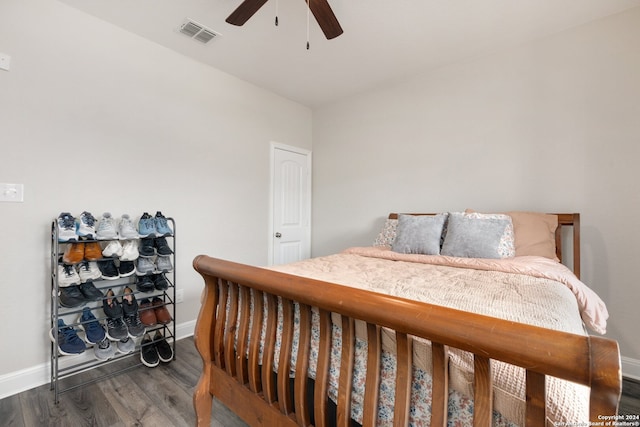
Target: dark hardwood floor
[157,397]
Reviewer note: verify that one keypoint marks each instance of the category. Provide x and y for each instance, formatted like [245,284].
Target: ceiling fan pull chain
[308,11]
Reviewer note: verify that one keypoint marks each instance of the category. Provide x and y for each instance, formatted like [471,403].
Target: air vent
[197,31]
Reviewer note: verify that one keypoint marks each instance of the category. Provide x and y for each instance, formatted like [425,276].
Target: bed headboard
[566,221]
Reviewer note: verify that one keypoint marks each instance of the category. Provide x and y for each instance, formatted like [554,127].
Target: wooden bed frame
[262,398]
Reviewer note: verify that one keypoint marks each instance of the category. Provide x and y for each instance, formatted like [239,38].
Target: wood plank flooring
[156,397]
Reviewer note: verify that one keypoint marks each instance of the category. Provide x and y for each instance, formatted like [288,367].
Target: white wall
[553,125]
[95,118]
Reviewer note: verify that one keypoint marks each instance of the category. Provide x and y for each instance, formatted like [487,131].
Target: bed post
[202,398]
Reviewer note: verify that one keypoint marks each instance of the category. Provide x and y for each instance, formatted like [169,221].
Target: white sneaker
[127,229]
[106,227]
[67,275]
[130,250]
[88,270]
[86,225]
[114,248]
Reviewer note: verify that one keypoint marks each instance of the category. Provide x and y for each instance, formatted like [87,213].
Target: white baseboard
[26,379]
[630,368]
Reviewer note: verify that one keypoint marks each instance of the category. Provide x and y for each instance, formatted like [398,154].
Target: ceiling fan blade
[245,11]
[325,17]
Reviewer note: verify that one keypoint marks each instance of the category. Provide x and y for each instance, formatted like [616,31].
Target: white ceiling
[384,41]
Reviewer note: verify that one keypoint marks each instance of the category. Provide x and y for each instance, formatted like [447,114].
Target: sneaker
[113,249]
[146,225]
[145,266]
[69,343]
[86,225]
[126,229]
[66,228]
[104,350]
[160,281]
[161,225]
[88,270]
[108,269]
[147,313]
[74,253]
[93,330]
[92,251]
[116,328]
[126,268]
[147,249]
[67,275]
[144,284]
[71,296]
[130,251]
[126,346]
[90,292]
[106,229]
[148,352]
[130,314]
[165,352]
[162,246]
[163,264]
[161,312]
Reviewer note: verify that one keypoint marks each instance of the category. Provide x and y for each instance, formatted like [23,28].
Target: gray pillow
[419,234]
[470,237]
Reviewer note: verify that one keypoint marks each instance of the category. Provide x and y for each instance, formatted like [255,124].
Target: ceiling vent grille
[197,31]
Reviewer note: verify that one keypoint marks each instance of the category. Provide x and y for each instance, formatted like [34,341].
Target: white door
[291,204]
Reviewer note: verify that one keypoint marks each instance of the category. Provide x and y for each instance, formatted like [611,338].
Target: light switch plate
[12,193]
[5,61]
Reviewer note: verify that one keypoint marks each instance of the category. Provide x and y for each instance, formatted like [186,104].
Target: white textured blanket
[528,290]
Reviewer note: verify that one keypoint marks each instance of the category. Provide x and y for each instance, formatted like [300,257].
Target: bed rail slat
[372,391]
[302,367]
[220,325]
[404,371]
[230,330]
[270,393]
[322,371]
[482,392]
[346,371]
[255,383]
[536,396]
[284,363]
[440,389]
[243,334]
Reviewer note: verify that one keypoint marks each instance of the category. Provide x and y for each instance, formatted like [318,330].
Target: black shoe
[165,352]
[71,296]
[160,282]
[162,246]
[149,353]
[131,316]
[116,328]
[147,249]
[90,292]
[108,269]
[126,268]
[144,284]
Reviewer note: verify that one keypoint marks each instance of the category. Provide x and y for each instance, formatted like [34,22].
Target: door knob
[278,235]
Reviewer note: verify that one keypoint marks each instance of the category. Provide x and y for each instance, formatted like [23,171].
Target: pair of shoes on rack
[110,271]
[71,229]
[73,275]
[152,282]
[123,319]
[146,266]
[156,226]
[154,311]
[109,229]
[156,350]
[95,334]
[77,295]
[125,252]
[150,246]
[69,343]
[76,252]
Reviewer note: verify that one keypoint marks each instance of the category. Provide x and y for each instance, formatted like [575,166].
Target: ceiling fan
[320,9]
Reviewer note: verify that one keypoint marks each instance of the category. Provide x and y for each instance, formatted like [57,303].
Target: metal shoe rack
[64,366]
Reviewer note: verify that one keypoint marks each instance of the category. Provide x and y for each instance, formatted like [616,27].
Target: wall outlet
[179,295]
[5,62]
[12,193]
